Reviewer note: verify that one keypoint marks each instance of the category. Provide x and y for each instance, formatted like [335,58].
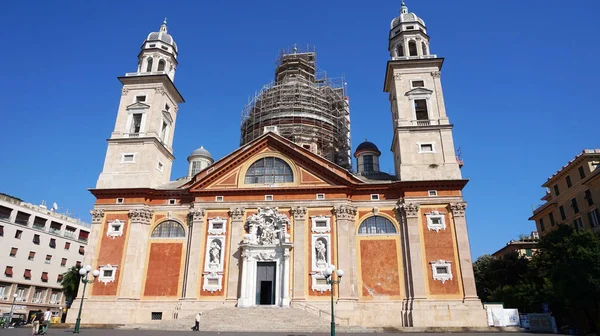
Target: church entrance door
[265,283]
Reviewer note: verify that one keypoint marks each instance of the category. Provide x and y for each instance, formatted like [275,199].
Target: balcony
[403,58]
[54,231]
[132,74]
[424,122]
[134,135]
[69,234]
[21,299]
[39,227]
[82,240]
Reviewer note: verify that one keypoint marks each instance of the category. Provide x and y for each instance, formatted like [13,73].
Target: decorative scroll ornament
[397,76]
[160,90]
[435,74]
[410,209]
[97,215]
[458,209]
[124,91]
[237,214]
[266,227]
[299,213]
[345,212]
[196,214]
[142,216]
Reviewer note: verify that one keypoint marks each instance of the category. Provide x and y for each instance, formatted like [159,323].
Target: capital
[299,213]
[345,212]
[237,214]
[409,209]
[97,215]
[196,214]
[141,215]
[458,209]
[435,74]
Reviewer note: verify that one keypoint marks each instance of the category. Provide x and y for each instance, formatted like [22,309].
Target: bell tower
[140,153]
[422,145]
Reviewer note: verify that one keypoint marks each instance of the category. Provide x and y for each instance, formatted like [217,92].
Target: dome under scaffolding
[304,106]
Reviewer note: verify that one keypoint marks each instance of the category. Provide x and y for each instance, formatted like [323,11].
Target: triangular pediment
[419,91]
[138,106]
[310,170]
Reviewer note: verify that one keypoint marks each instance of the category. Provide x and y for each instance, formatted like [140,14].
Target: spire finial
[165,20]
[163,26]
[403,9]
[295,48]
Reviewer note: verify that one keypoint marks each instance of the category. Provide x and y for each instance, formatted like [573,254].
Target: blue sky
[520,83]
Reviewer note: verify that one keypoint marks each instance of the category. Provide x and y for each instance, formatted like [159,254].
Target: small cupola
[367,158]
[198,161]
[159,54]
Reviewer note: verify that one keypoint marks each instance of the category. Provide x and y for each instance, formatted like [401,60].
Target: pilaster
[233,273]
[135,253]
[409,213]
[300,274]
[195,220]
[464,250]
[345,217]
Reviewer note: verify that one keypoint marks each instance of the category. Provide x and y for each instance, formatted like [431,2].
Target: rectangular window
[39,223]
[374,197]
[556,191]
[54,298]
[268,197]
[432,193]
[574,205]
[163,131]
[528,252]
[1,231]
[421,109]
[36,239]
[81,250]
[578,223]
[167,107]
[172,202]
[59,278]
[21,294]
[159,166]
[44,277]
[128,158]
[5,212]
[426,148]
[588,197]
[320,196]
[410,27]
[63,262]
[8,271]
[136,123]
[581,172]
[18,234]
[52,243]
[31,256]
[368,163]
[541,222]
[27,274]
[569,184]
[13,252]
[67,246]
[594,218]
[120,200]
[219,198]
[78,264]
[561,209]
[48,259]
[140,99]
[418,83]
[22,218]
[551,216]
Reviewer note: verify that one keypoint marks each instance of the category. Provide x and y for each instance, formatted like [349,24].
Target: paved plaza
[107,332]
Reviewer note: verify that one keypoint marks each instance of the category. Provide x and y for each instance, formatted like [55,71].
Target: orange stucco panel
[278,195]
[379,268]
[310,179]
[164,269]
[111,252]
[230,180]
[440,245]
[425,193]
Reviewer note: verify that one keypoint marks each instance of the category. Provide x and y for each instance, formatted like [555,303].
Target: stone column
[410,213]
[132,272]
[464,250]
[244,291]
[90,250]
[345,217]
[237,229]
[196,219]
[285,300]
[300,274]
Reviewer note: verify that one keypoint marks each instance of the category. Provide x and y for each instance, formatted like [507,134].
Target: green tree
[70,284]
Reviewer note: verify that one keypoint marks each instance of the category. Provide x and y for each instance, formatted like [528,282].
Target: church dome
[201,152]
[367,146]
[406,17]
[162,35]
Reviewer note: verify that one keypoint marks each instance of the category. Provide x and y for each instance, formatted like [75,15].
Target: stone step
[264,319]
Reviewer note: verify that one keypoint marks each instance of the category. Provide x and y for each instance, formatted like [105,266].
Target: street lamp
[83,272]
[329,276]
[12,306]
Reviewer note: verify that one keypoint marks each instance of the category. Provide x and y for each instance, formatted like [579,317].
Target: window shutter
[59,278]
[81,250]
[8,271]
[27,274]
[44,276]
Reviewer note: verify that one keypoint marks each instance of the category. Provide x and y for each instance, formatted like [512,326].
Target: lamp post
[12,307]
[83,272]
[329,276]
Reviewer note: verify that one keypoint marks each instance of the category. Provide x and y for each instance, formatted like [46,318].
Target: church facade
[261,225]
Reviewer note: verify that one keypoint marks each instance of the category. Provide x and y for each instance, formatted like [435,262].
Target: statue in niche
[215,252]
[321,252]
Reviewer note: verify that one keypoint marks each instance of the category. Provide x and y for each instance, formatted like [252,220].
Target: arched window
[168,229]
[399,51]
[412,48]
[376,225]
[161,65]
[269,170]
[424,47]
[149,66]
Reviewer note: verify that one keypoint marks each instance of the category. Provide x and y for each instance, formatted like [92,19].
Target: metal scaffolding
[303,105]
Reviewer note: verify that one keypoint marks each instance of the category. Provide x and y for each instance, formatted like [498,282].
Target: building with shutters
[37,245]
[262,224]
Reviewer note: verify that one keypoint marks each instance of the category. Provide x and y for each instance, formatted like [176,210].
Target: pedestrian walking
[47,318]
[197,325]
[35,322]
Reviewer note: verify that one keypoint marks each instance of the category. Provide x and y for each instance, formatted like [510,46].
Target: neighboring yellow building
[572,195]
[525,247]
